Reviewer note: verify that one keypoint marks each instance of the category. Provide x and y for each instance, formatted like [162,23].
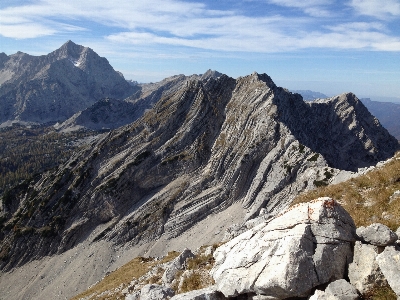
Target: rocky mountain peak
[265,78]
[210,74]
[51,88]
[70,49]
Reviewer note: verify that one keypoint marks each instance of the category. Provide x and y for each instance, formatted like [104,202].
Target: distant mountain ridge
[388,113]
[52,87]
[310,95]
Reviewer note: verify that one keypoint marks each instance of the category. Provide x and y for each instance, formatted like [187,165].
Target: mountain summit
[52,87]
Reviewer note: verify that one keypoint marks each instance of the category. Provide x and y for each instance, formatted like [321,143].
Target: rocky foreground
[312,250]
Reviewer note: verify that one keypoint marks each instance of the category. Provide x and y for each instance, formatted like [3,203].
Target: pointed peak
[211,74]
[71,49]
[263,77]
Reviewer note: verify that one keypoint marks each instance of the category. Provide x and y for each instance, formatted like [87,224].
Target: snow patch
[75,62]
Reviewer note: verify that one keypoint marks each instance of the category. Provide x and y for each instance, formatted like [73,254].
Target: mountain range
[195,147]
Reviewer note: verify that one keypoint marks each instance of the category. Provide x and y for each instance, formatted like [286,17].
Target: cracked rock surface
[303,248]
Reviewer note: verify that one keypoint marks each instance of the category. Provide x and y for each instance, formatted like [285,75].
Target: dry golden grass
[123,276]
[381,293]
[366,198]
[200,267]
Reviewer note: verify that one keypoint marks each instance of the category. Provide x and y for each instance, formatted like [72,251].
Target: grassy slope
[122,276]
[368,198]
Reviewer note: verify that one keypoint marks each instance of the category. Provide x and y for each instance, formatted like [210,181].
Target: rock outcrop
[155,292]
[104,114]
[209,293]
[377,234]
[376,261]
[176,265]
[304,248]
[337,290]
[364,271]
[389,263]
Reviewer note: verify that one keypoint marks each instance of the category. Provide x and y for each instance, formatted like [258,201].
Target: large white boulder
[156,292]
[209,293]
[337,290]
[377,234]
[304,247]
[177,264]
[364,271]
[389,262]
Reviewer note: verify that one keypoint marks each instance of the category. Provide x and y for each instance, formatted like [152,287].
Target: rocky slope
[200,149]
[52,87]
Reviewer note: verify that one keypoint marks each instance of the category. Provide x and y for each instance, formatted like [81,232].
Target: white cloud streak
[176,23]
[315,8]
[377,8]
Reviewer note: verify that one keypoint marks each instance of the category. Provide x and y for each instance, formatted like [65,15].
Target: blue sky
[322,45]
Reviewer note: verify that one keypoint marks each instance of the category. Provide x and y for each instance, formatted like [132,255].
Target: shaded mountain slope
[201,148]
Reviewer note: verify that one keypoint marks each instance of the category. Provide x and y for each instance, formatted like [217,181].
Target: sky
[321,45]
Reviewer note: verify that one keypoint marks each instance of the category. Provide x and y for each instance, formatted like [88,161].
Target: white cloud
[380,9]
[25,30]
[176,23]
[316,8]
[358,26]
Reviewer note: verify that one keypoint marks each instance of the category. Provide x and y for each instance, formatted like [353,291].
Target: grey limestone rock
[377,234]
[364,271]
[300,249]
[336,290]
[389,263]
[133,296]
[209,293]
[177,264]
[156,292]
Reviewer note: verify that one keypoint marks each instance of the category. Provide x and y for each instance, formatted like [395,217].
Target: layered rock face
[204,146]
[53,87]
